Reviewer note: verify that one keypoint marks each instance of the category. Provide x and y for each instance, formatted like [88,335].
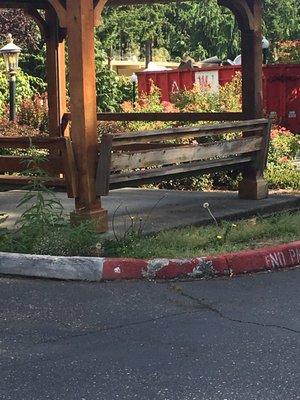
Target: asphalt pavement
[219,339]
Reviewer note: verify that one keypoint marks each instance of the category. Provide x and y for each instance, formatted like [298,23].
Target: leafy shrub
[281,171]
[8,128]
[112,89]
[198,99]
[42,227]
[34,113]
[283,176]
[201,99]
[66,240]
[230,95]
[289,52]
[284,145]
[146,103]
[26,88]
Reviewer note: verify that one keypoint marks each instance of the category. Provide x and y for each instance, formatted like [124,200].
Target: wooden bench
[59,164]
[133,159]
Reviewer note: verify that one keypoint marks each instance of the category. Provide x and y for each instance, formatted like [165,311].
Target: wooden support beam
[253,185]
[252,65]
[60,11]
[39,20]
[98,8]
[80,27]
[56,74]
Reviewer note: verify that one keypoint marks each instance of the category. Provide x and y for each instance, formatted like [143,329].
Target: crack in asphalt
[109,328]
[175,288]
[209,307]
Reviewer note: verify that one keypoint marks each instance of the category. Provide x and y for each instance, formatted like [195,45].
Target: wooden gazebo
[74,20]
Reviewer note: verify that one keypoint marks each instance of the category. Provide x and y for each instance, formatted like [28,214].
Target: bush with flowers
[34,113]
[281,171]
[201,99]
[288,52]
[32,120]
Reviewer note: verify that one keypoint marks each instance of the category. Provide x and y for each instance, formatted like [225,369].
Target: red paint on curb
[123,268]
[271,258]
[178,268]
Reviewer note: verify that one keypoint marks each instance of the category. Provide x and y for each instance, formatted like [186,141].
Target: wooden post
[56,75]
[253,185]
[252,66]
[80,30]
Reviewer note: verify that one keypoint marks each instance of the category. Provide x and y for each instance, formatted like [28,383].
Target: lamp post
[265,49]
[134,81]
[11,54]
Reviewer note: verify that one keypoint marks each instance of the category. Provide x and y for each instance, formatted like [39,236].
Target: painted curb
[105,269]
[271,258]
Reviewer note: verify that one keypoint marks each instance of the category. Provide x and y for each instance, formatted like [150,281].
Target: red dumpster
[282,94]
[281,87]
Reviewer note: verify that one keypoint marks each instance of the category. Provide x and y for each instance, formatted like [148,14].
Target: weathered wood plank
[15,180]
[53,164]
[153,136]
[262,156]
[24,142]
[60,160]
[144,146]
[179,170]
[70,169]
[133,160]
[103,170]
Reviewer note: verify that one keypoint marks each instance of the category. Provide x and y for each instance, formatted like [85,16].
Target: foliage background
[192,29]
[195,29]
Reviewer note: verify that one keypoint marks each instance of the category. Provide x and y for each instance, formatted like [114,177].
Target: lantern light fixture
[11,53]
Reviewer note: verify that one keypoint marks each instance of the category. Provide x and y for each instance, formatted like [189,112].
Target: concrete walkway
[164,209]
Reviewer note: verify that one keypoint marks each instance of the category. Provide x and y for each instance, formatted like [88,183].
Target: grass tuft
[197,242]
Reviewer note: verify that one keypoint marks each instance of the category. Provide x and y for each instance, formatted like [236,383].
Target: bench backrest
[128,152]
[59,161]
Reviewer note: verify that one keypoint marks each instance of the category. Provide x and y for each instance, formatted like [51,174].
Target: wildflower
[205,205]
[127,106]
[219,237]
[98,246]
[284,159]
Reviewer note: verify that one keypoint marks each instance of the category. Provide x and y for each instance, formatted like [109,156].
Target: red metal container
[282,94]
[281,87]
